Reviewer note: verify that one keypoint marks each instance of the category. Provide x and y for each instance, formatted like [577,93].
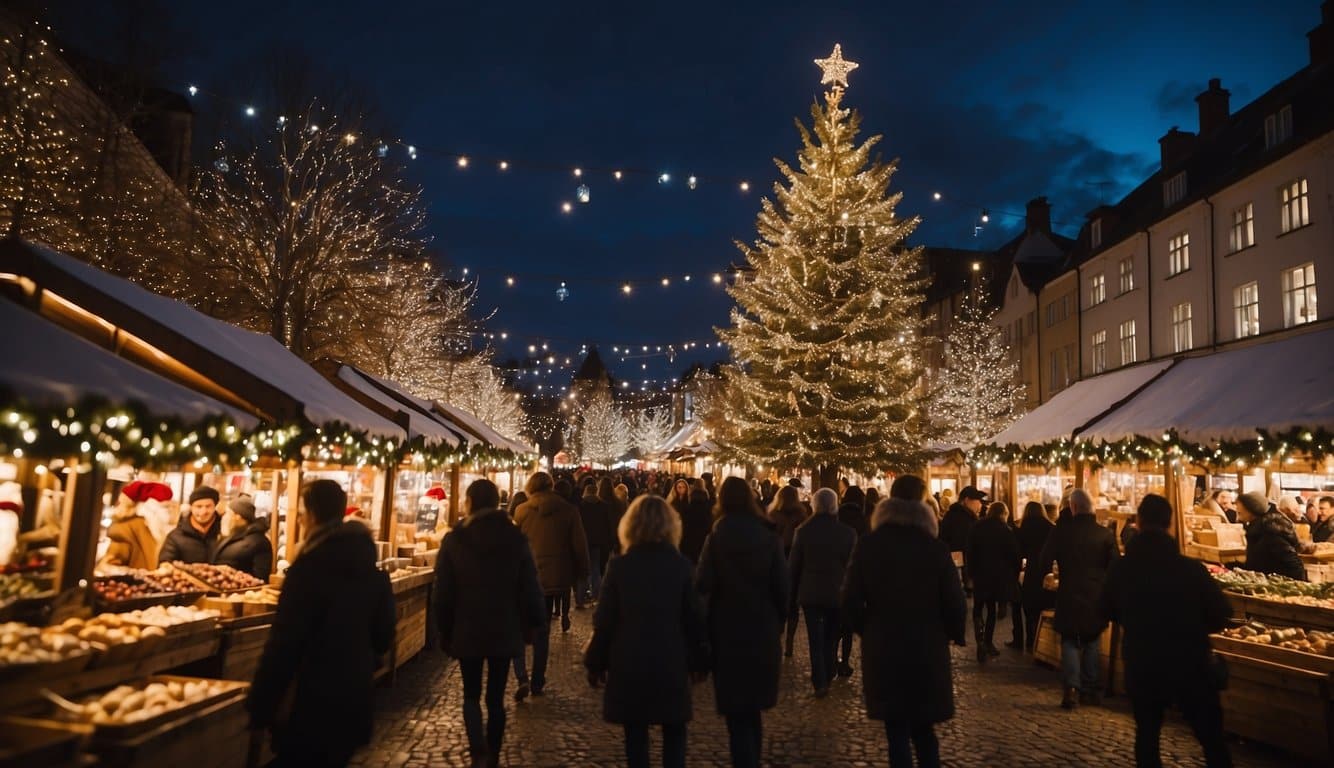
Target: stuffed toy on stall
[11,506]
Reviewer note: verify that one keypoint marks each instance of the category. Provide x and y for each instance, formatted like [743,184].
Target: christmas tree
[602,435]
[977,393]
[826,333]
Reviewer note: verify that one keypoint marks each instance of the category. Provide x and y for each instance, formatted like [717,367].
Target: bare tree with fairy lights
[977,392]
[826,333]
[649,429]
[602,434]
[296,230]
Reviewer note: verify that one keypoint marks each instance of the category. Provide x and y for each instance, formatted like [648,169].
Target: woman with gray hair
[648,635]
[902,595]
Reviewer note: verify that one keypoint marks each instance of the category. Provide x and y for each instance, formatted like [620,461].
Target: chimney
[1213,105]
[1176,146]
[1321,39]
[1038,216]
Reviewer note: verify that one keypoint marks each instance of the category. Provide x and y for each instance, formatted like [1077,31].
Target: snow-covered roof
[1077,406]
[1274,385]
[421,421]
[480,430]
[45,365]
[261,356]
[689,433]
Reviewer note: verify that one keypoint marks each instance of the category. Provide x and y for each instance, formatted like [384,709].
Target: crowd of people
[701,582]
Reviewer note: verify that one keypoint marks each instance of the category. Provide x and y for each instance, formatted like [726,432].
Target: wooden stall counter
[412,598]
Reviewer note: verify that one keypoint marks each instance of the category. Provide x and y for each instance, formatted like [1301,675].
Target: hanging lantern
[382,150]
[222,165]
[562,293]
[582,193]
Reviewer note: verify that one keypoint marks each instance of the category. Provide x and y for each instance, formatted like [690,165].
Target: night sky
[990,103]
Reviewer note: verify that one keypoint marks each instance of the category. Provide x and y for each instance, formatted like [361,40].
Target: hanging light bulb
[582,193]
[193,90]
[691,182]
[745,186]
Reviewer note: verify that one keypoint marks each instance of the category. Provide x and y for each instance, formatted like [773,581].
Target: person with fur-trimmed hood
[902,594]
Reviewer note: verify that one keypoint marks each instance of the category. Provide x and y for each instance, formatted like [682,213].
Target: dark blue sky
[991,103]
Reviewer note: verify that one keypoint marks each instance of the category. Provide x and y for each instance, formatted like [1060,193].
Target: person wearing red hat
[132,541]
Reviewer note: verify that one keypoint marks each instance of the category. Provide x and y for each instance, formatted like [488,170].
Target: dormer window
[1278,127]
[1095,233]
[1174,189]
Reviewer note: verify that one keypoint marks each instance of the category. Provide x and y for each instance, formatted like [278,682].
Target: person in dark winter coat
[993,560]
[956,526]
[1271,541]
[648,635]
[1033,532]
[487,600]
[247,548]
[696,520]
[596,517]
[786,513]
[820,553]
[852,510]
[743,578]
[1084,550]
[560,549]
[852,513]
[195,537]
[903,596]
[335,621]
[1167,606]
[615,509]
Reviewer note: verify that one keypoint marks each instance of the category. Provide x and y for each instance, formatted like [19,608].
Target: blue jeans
[1080,665]
[542,643]
[822,633]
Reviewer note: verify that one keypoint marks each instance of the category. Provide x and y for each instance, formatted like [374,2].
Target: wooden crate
[1282,706]
[241,651]
[1310,662]
[1288,614]
[214,737]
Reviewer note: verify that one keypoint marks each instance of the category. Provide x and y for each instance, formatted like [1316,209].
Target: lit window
[1246,308]
[1174,189]
[1294,206]
[1097,289]
[1095,233]
[1278,127]
[1178,254]
[1100,351]
[1127,342]
[1299,295]
[1182,337]
[1127,269]
[1243,228]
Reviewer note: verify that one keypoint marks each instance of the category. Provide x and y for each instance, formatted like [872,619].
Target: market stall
[71,408]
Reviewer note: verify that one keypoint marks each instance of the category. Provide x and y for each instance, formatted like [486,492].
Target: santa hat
[140,491]
[11,497]
[351,511]
[437,493]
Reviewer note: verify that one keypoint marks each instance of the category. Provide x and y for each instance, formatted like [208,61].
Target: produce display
[132,704]
[25,644]
[34,562]
[1293,638]
[14,586]
[220,577]
[1279,588]
[118,590]
[108,629]
[167,615]
[265,596]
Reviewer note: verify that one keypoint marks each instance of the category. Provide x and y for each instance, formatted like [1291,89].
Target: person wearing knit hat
[132,541]
[1271,541]
[247,547]
[195,537]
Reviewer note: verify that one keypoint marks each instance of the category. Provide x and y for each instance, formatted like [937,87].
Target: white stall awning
[421,421]
[1077,405]
[47,366]
[1273,385]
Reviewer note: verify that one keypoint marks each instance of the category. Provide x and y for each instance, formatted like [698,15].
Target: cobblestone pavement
[1007,715]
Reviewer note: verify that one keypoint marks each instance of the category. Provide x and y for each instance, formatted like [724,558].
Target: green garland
[1288,448]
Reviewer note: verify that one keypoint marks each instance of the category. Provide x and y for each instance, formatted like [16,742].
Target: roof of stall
[480,430]
[1274,385]
[252,365]
[422,422]
[46,365]
[1076,406]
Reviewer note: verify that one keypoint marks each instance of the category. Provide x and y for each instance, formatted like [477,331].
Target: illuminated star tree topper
[836,68]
